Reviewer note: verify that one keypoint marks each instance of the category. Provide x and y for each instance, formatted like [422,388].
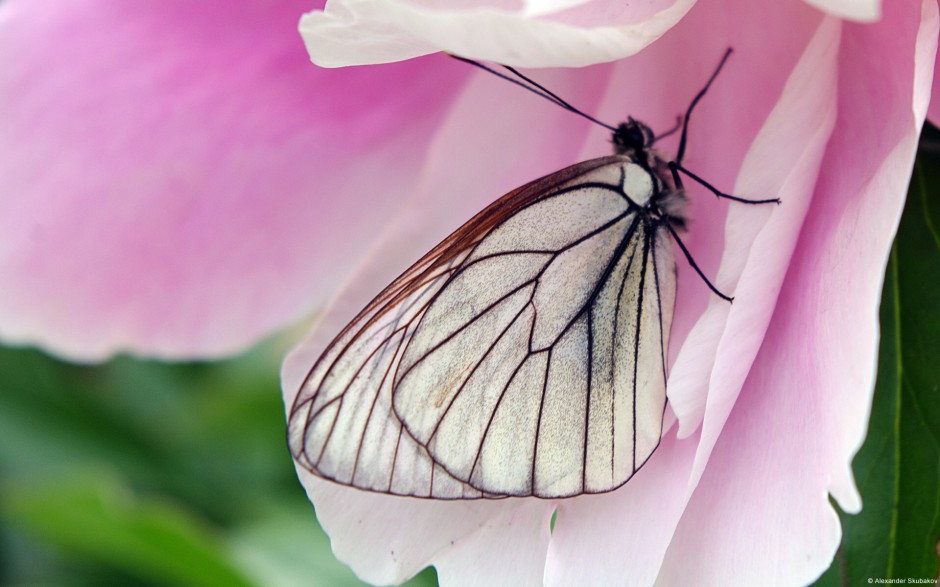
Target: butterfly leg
[691,260]
[676,168]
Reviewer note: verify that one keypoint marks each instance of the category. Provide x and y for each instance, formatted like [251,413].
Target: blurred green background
[146,473]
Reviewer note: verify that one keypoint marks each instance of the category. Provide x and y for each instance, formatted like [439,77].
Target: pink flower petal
[494,554]
[351,32]
[705,240]
[784,160]
[180,181]
[802,414]
[790,171]
[719,141]
[621,537]
[771,128]
[478,545]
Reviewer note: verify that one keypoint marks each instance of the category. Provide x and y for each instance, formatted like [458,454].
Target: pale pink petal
[547,33]
[723,121]
[784,160]
[494,554]
[757,515]
[495,138]
[859,10]
[180,181]
[721,133]
[717,123]
[387,539]
[621,537]
[764,174]
[802,414]
[787,111]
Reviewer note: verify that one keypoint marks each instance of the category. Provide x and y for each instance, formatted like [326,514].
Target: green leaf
[91,516]
[898,468]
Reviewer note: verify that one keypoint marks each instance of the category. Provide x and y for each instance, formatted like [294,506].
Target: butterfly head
[632,138]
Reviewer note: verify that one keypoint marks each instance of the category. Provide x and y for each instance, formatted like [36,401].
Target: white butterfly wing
[342,426]
[522,356]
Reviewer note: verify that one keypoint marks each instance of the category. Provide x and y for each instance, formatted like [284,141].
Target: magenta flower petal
[180,181]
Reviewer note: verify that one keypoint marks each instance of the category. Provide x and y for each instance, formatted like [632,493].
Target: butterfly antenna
[669,132]
[685,125]
[536,88]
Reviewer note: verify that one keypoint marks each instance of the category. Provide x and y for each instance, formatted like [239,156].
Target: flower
[179,181]
[770,396]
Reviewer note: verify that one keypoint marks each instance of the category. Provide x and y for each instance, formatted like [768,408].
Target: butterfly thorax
[633,139]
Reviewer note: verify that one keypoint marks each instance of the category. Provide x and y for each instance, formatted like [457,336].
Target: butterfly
[525,354]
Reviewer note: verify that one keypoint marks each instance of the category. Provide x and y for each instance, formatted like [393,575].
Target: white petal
[353,32]
[859,10]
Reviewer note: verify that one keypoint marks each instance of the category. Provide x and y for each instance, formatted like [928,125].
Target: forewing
[471,290]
